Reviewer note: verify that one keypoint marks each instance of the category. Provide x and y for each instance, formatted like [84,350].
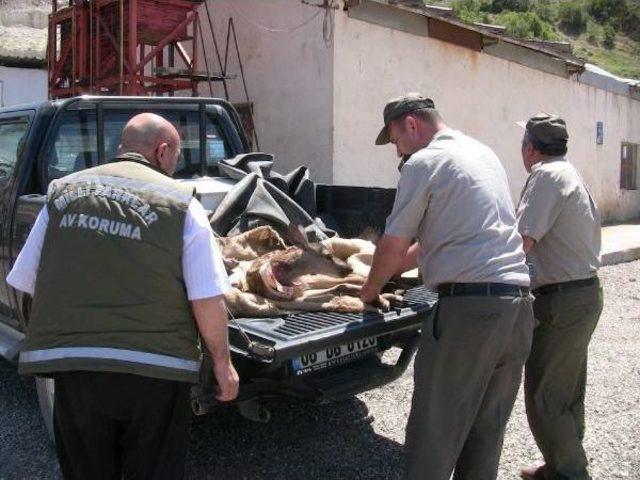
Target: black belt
[564,286]
[482,289]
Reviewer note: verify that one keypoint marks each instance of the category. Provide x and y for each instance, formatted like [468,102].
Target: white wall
[477,93]
[22,85]
[289,78]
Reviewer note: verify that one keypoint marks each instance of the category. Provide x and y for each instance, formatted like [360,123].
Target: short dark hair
[550,149]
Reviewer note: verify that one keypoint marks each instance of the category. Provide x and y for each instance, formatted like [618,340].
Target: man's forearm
[211,319]
[410,260]
[388,259]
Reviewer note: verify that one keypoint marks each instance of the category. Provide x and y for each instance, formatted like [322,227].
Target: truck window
[187,123]
[11,134]
[75,146]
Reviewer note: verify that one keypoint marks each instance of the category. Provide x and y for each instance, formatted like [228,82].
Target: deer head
[311,257]
[278,274]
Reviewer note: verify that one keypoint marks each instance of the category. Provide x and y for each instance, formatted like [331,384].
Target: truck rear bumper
[330,385]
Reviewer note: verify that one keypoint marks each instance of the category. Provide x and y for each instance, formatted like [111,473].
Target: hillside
[603,32]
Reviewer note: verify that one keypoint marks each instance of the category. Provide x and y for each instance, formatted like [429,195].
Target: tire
[46,388]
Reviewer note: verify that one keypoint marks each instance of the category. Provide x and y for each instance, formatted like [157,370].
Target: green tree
[573,17]
[612,11]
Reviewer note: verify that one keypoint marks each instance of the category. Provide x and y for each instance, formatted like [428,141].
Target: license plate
[334,356]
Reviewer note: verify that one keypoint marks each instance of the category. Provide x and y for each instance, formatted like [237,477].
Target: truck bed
[290,337]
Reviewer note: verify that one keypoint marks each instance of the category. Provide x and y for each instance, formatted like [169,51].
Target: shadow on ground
[302,441]
[25,451]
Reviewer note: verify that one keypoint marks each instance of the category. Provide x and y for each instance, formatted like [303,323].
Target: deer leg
[315,282]
[244,303]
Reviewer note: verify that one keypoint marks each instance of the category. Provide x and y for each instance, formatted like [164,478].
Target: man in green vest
[124,273]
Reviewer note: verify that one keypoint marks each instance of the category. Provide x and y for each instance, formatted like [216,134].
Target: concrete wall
[22,85]
[477,93]
[289,77]
[321,106]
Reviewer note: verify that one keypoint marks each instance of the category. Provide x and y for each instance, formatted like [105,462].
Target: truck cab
[40,143]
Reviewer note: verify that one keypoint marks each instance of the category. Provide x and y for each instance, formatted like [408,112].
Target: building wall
[477,93]
[22,85]
[289,77]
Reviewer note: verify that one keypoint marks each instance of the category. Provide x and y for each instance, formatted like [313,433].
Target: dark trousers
[556,378]
[467,373]
[112,426]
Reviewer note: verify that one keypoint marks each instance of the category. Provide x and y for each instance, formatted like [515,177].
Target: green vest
[109,293]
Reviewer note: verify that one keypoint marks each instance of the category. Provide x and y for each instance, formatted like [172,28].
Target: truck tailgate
[293,335]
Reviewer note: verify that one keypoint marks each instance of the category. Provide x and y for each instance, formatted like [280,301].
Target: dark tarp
[264,197]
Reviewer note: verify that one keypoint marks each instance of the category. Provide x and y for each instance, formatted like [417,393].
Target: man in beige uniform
[560,225]
[454,217]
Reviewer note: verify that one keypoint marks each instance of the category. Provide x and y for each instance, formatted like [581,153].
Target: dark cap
[547,128]
[399,106]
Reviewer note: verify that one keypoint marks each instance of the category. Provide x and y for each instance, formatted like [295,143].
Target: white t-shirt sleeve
[23,274]
[202,266]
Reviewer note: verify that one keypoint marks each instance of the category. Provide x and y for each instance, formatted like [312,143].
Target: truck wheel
[45,388]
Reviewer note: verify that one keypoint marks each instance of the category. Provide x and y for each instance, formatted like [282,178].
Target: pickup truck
[312,356]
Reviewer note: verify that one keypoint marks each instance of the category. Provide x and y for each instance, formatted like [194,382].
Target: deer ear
[297,236]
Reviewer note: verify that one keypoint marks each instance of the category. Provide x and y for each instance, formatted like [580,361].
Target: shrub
[572,17]
[546,10]
[527,25]
[594,33]
[631,24]
[609,37]
[468,10]
[498,6]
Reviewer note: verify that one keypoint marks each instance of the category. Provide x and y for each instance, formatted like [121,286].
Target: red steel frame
[120,47]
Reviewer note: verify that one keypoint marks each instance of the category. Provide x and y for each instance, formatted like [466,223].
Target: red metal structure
[124,47]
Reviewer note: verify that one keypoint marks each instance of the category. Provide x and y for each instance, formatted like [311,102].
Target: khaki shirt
[558,212]
[453,197]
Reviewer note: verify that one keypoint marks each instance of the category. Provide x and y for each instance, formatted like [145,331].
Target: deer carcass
[304,276]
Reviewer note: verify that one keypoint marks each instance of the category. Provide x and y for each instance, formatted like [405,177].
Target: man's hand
[527,243]
[211,318]
[388,259]
[369,293]
[228,380]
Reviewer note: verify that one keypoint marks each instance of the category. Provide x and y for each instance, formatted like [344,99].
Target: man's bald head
[154,137]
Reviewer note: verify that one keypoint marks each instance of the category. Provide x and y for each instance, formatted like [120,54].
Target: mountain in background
[603,32]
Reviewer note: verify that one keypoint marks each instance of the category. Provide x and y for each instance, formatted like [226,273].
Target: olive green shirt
[559,213]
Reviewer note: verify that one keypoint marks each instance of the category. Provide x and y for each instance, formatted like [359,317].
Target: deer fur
[305,276]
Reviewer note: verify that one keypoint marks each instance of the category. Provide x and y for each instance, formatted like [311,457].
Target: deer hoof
[383,304]
[394,299]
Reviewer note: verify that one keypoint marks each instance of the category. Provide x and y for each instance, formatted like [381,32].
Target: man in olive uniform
[124,272]
[560,225]
[453,216]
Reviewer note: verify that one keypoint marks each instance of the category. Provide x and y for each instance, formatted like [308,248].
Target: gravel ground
[362,438]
